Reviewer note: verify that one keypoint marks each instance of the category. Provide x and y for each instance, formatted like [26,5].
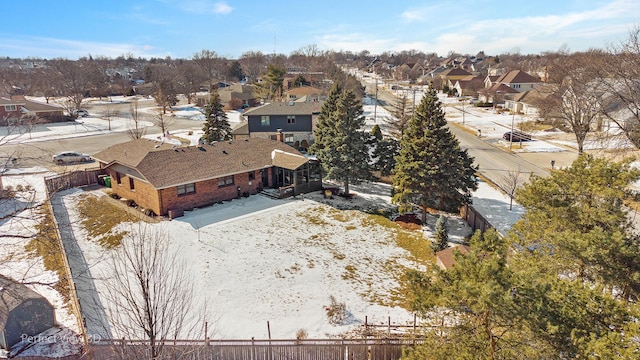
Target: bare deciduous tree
[161,120]
[572,98]
[401,115]
[620,76]
[151,294]
[253,63]
[136,129]
[510,183]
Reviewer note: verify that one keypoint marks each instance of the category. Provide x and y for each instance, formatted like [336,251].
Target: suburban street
[38,153]
[493,162]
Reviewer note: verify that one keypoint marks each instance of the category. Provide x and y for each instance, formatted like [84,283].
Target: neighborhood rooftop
[164,165]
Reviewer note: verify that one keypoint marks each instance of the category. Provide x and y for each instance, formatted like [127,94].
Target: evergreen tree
[477,293]
[376,132]
[271,86]
[216,126]
[431,169]
[442,235]
[235,70]
[384,155]
[579,280]
[340,143]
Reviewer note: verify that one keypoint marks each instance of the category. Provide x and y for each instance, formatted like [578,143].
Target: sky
[181,28]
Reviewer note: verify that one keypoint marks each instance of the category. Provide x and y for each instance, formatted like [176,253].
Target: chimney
[279,135]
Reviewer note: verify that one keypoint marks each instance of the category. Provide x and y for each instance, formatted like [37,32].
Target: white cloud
[72,49]
[222,8]
[206,6]
[426,12]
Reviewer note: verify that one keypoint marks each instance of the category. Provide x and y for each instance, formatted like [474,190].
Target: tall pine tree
[340,143]
[216,126]
[431,169]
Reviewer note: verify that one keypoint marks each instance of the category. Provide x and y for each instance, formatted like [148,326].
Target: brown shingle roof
[282,108]
[287,160]
[304,90]
[517,77]
[455,72]
[166,165]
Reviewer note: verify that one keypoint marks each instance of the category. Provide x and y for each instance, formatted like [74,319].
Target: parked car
[518,136]
[82,113]
[71,157]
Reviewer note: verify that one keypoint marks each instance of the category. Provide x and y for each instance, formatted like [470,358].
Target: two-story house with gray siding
[294,120]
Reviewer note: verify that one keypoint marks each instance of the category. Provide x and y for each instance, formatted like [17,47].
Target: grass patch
[100,216]
[46,245]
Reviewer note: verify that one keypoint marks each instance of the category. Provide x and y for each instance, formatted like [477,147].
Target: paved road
[39,153]
[493,161]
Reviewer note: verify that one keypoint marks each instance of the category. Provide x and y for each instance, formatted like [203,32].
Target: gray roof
[286,108]
[12,294]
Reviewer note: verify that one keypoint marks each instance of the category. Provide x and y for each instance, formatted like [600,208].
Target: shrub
[19,188]
[336,312]
[114,196]
[301,334]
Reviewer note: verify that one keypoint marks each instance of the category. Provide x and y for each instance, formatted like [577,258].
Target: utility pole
[513,118]
[375,104]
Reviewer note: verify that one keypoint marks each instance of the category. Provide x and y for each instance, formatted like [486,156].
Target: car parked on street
[82,113]
[517,136]
[66,157]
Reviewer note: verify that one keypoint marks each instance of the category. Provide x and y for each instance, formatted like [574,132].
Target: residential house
[16,109]
[303,91]
[233,97]
[168,180]
[468,86]
[490,80]
[506,87]
[454,74]
[445,259]
[23,312]
[519,80]
[496,93]
[295,120]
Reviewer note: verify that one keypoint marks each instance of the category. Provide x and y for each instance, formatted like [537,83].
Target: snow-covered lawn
[257,259]
[22,265]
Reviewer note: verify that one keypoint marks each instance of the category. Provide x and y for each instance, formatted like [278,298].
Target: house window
[118,179]
[288,138]
[291,119]
[252,175]
[131,184]
[186,189]
[225,181]
[10,108]
[264,120]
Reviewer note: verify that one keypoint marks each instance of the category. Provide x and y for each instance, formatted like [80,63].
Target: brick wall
[144,194]
[161,201]
[207,193]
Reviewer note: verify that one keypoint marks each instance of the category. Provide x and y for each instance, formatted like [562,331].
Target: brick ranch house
[169,179]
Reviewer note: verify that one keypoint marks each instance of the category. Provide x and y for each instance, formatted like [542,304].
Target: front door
[264,173]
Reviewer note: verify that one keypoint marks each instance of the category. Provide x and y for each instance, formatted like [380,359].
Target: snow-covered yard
[255,259]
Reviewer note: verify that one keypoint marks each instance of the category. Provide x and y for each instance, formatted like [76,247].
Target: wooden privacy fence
[345,349]
[474,219]
[55,183]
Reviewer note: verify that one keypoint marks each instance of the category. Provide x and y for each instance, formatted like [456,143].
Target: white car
[71,157]
[82,113]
